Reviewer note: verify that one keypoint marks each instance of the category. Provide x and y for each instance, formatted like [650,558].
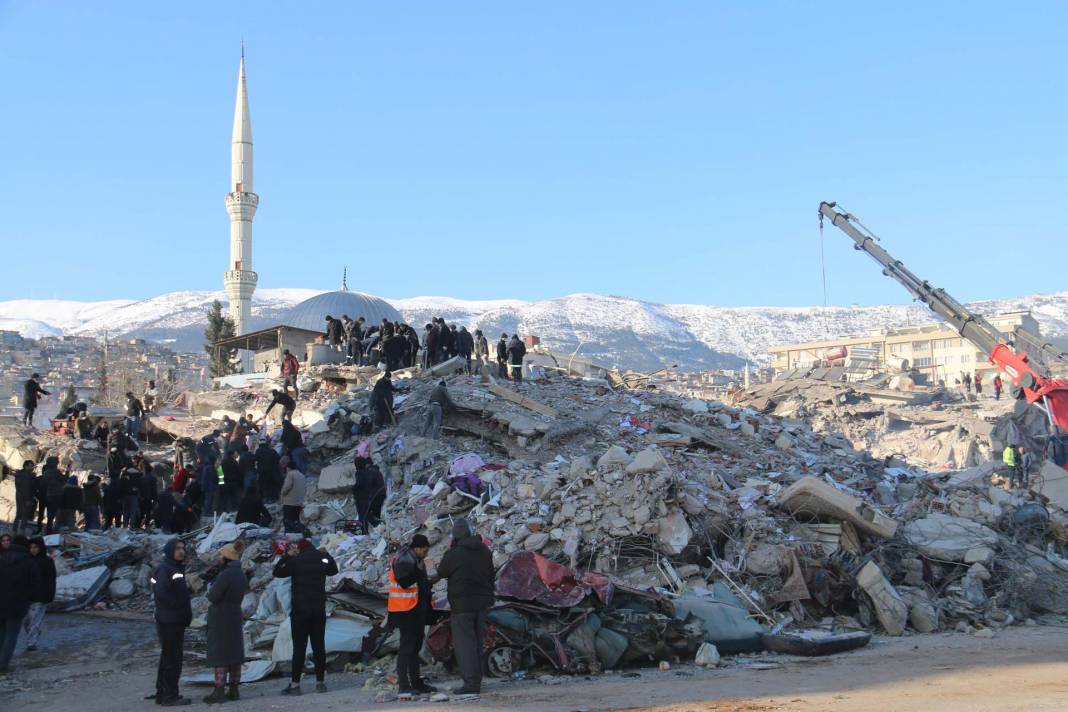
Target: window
[922,361]
[921,346]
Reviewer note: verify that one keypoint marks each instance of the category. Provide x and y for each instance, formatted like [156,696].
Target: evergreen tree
[220,327]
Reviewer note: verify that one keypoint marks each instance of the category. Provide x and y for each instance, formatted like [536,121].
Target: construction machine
[1008,354]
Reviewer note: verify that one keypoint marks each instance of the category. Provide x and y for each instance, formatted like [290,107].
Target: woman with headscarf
[226,641]
[44,594]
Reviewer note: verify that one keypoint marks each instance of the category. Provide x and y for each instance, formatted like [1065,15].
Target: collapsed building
[630,526]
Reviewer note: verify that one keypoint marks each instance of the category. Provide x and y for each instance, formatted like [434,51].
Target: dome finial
[344,279]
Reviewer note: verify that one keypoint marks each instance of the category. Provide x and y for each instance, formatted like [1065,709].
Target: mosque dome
[311,313]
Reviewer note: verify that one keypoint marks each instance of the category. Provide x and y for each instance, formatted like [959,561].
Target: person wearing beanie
[226,641]
[45,593]
[468,567]
[308,569]
[410,611]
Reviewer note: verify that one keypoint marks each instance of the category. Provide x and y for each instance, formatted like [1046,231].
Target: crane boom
[1048,393]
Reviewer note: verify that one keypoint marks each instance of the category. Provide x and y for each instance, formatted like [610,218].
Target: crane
[1049,394]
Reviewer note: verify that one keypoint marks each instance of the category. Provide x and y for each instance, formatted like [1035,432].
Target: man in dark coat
[113,502]
[308,568]
[369,491]
[481,352]
[226,641]
[284,401]
[430,346]
[516,351]
[251,509]
[71,501]
[502,357]
[92,498]
[130,492]
[468,566]
[53,482]
[45,593]
[334,332]
[30,392]
[21,583]
[465,347]
[408,571]
[24,499]
[173,615]
[267,471]
[382,401]
[230,487]
[293,445]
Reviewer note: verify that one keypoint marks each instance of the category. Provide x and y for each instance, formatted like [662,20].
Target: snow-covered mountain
[614,330]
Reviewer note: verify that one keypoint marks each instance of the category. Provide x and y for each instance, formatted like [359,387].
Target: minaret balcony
[241,277]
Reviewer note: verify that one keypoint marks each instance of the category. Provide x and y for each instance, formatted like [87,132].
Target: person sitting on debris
[43,595]
[135,410]
[174,613]
[92,498]
[53,482]
[251,509]
[369,492]
[468,567]
[267,471]
[71,502]
[280,398]
[21,581]
[226,639]
[31,390]
[294,489]
[516,351]
[410,611]
[101,433]
[439,400]
[481,351]
[502,357]
[382,401]
[308,568]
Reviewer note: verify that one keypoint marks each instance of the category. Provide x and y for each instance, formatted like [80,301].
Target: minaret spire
[241,203]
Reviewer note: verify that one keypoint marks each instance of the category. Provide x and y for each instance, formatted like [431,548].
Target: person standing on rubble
[382,401]
[21,581]
[308,569]
[293,444]
[502,357]
[267,472]
[468,567]
[229,483]
[150,396]
[31,390]
[71,501]
[413,345]
[294,490]
[369,492]
[290,369]
[44,594]
[437,403]
[978,383]
[998,385]
[516,351]
[1009,457]
[410,611]
[481,351]
[135,410]
[174,613]
[226,639]
[112,502]
[92,498]
[465,347]
[24,499]
[333,332]
[53,482]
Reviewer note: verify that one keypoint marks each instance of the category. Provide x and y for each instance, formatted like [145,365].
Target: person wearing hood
[53,482]
[369,492]
[21,579]
[174,613]
[437,403]
[502,357]
[91,500]
[24,499]
[465,347]
[71,502]
[516,351]
[293,444]
[267,471]
[410,611]
[130,492]
[308,569]
[251,509]
[468,567]
[226,640]
[45,593]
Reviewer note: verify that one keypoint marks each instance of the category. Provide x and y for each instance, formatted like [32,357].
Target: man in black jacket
[267,472]
[45,593]
[130,493]
[21,581]
[465,347]
[410,615]
[24,499]
[502,357]
[369,492]
[174,613]
[53,482]
[468,566]
[280,398]
[516,351]
[230,488]
[30,390]
[382,401]
[308,568]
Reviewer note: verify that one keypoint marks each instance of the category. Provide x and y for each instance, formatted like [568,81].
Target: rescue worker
[382,401]
[308,568]
[283,399]
[502,357]
[30,392]
[174,613]
[410,609]
[1008,456]
[439,400]
[290,369]
[369,492]
[468,567]
[516,351]
[998,384]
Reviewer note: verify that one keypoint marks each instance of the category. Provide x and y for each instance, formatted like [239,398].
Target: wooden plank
[510,395]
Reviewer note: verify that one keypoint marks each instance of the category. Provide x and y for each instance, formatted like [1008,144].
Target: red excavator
[1049,394]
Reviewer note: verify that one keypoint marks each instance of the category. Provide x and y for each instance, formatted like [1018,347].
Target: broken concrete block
[813,497]
[536,541]
[121,588]
[746,428]
[941,536]
[674,533]
[337,478]
[980,554]
[695,406]
[707,656]
[784,441]
[1053,484]
[615,456]
[580,466]
[889,608]
[319,426]
[723,419]
[646,461]
[444,368]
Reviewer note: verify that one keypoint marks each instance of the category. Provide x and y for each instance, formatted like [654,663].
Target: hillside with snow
[609,329]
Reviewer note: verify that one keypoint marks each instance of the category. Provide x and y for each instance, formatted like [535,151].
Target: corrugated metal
[311,313]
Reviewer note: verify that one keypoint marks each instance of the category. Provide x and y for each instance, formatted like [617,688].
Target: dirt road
[97,665]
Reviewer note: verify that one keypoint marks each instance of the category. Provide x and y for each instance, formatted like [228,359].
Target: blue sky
[674,152]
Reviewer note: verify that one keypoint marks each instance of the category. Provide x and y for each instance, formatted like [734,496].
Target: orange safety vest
[401,599]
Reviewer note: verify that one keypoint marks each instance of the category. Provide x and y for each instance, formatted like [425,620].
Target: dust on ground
[99,663]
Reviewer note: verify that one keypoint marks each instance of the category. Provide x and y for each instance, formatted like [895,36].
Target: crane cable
[823,262]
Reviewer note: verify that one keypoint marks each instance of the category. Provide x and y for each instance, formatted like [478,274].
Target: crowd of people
[966,382]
